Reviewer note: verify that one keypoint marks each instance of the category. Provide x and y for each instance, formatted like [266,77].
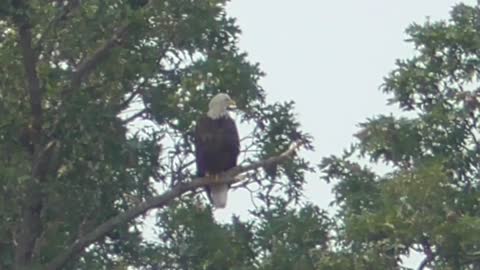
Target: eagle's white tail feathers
[219,194]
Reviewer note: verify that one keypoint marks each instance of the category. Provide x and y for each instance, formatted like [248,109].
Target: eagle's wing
[231,142]
[202,138]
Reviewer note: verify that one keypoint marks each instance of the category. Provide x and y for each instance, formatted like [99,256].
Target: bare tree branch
[159,201]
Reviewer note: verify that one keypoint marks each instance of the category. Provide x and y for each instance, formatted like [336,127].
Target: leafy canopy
[98,101]
[428,202]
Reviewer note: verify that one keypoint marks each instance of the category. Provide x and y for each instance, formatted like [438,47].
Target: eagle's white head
[219,104]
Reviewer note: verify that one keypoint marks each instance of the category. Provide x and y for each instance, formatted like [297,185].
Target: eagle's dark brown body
[216,146]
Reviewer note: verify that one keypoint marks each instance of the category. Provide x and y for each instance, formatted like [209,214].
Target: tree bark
[30,226]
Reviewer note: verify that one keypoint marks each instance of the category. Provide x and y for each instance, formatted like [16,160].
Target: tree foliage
[98,101]
[428,202]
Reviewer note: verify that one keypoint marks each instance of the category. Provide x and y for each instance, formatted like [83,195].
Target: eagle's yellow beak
[232,105]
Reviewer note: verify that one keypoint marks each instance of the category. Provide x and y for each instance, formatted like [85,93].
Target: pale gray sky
[330,58]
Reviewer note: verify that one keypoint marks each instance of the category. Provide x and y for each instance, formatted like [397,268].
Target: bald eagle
[216,146]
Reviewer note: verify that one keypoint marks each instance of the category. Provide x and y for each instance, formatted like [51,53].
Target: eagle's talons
[216,178]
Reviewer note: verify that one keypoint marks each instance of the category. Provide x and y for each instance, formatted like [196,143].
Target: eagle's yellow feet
[214,177]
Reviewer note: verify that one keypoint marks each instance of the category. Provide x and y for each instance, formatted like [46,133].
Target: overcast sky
[330,58]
